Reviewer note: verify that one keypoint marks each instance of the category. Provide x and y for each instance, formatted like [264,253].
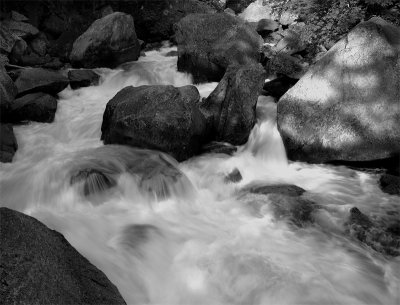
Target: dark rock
[230,109]
[164,118]
[346,106]
[215,147]
[8,91]
[39,45]
[234,176]
[33,60]
[266,26]
[279,86]
[63,45]
[40,80]
[61,274]
[21,29]
[238,5]
[55,25]
[82,78]
[8,144]
[108,42]
[390,184]
[39,107]
[18,17]
[209,43]
[290,44]
[284,64]
[18,51]
[53,64]
[381,238]
[281,189]
[172,53]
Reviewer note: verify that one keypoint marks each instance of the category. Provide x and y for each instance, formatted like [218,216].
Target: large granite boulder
[163,118]
[39,266]
[230,109]
[8,91]
[346,107]
[209,43]
[39,107]
[8,143]
[108,42]
[32,80]
[83,78]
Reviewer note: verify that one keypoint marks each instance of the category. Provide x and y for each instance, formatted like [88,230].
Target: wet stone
[93,180]
[233,177]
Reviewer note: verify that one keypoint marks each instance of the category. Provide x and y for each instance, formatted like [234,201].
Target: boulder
[230,109]
[39,107]
[39,266]
[55,25]
[209,43]
[108,42]
[18,17]
[39,45]
[7,40]
[20,29]
[282,189]
[82,78]
[284,64]
[34,60]
[32,80]
[346,107]
[390,184]
[163,118]
[266,26]
[8,144]
[18,51]
[8,91]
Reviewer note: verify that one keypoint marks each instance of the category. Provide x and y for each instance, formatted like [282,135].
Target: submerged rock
[83,78]
[234,176]
[39,266]
[8,143]
[346,107]
[282,189]
[39,107]
[32,80]
[384,239]
[209,43]
[159,117]
[109,42]
[230,109]
[390,184]
[94,181]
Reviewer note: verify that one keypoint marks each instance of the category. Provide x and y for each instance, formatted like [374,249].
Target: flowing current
[198,240]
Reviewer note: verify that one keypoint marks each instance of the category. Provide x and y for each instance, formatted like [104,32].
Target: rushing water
[200,243]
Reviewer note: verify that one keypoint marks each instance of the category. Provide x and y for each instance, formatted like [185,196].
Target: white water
[203,244]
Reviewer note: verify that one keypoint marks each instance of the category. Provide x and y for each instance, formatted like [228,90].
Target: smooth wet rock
[18,52]
[282,189]
[83,78]
[94,181]
[209,43]
[108,42]
[346,107]
[38,107]
[233,177]
[390,184]
[158,117]
[135,236]
[32,80]
[8,143]
[8,91]
[279,86]
[382,238]
[39,266]
[230,109]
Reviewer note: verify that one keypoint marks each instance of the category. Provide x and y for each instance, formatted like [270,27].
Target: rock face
[8,91]
[108,42]
[40,80]
[164,118]
[346,107]
[82,78]
[39,266]
[209,43]
[230,109]
[8,143]
[39,107]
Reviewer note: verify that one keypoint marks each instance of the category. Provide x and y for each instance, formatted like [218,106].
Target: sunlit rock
[39,266]
[346,107]
[209,43]
[159,117]
[230,109]
[108,42]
